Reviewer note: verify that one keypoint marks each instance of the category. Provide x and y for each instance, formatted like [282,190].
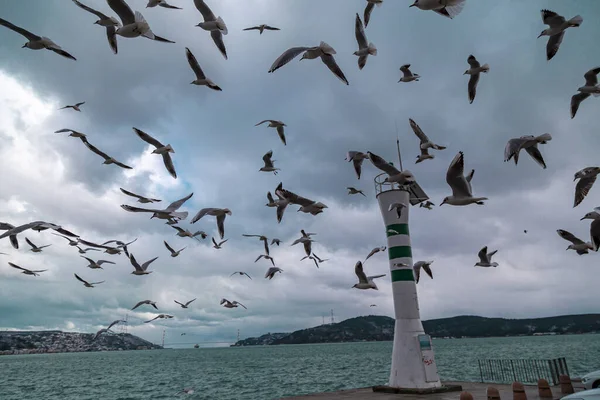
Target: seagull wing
[120,164]
[576,100]
[147,138]
[169,247]
[472,86]
[17,29]
[168,161]
[252,28]
[591,77]
[267,159]
[135,264]
[551,18]
[128,193]
[29,242]
[368,11]
[271,28]
[201,214]
[95,149]
[139,209]
[123,11]
[583,188]
[139,304]
[383,165]
[221,224]
[513,147]
[89,259]
[176,204]
[286,57]
[455,177]
[281,134]
[80,280]
[217,38]
[147,263]
[188,303]
[194,64]
[569,236]
[17,267]
[418,131]
[357,163]
[114,323]
[205,10]
[554,42]
[90,9]
[473,61]
[329,61]
[80,104]
[534,152]
[483,256]
[427,270]
[178,303]
[111,36]
[375,250]
[359,32]
[358,270]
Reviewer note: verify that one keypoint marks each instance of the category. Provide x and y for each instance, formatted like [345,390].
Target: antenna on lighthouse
[398,146]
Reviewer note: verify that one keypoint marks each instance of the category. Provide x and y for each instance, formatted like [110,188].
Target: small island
[381,328]
[36,342]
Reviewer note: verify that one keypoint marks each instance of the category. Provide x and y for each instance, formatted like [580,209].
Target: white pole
[413,364]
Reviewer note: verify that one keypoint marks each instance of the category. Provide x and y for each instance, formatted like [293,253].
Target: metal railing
[522,370]
[381,186]
[417,195]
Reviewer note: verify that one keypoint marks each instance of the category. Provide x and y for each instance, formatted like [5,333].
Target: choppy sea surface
[267,372]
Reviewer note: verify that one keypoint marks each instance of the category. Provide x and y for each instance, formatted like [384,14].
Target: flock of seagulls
[130,24]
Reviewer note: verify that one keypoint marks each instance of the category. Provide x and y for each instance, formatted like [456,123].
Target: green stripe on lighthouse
[400,252]
[402,229]
[402,275]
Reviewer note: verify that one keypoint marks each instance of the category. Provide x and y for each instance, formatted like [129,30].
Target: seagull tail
[485,68]
[480,200]
[372,49]
[576,21]
[544,138]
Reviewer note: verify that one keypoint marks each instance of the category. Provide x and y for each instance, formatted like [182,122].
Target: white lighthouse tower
[413,362]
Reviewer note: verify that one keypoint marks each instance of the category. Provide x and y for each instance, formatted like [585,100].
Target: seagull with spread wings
[143,302]
[587,178]
[159,316]
[475,70]
[426,266]
[591,87]
[364,47]
[485,258]
[272,271]
[369,9]
[173,252]
[556,31]
[161,3]
[269,163]
[110,23]
[219,244]
[160,149]
[462,192]
[241,273]
[86,283]
[214,24]
[231,304]
[394,175]
[529,144]
[219,213]
[357,158]
[263,239]
[187,233]
[140,269]
[424,142]
[261,28]
[201,79]
[34,248]
[184,305]
[577,244]
[72,133]
[364,281]
[168,213]
[27,271]
[278,125]
[133,24]
[141,199]
[36,42]
[107,159]
[74,106]
[96,264]
[407,75]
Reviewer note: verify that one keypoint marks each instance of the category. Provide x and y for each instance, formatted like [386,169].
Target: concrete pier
[478,390]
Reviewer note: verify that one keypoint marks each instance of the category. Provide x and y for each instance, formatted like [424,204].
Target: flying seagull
[118,321]
[134,24]
[577,244]
[96,264]
[591,87]
[141,303]
[72,134]
[173,252]
[475,70]
[201,79]
[364,47]
[71,241]
[401,177]
[398,207]
[86,283]
[375,251]
[110,23]
[425,265]
[261,28]
[275,241]
[594,227]
[120,245]
[27,271]
[557,26]
[168,213]
[306,205]
[214,24]
[186,233]
[263,239]
[231,304]
[37,42]
[428,205]
[529,144]
[352,190]
[311,258]
[424,143]
[83,251]
[240,273]
[218,245]
[13,231]
[364,281]
[269,166]
[74,107]
[462,192]
[306,242]
[159,316]
[100,332]
[357,159]
[34,248]
[184,305]
[141,199]
[266,257]
[140,269]
[161,3]
[159,149]
[369,9]
[277,125]
[447,8]
[485,258]
[220,213]
[587,177]
[407,75]
[272,271]
[107,159]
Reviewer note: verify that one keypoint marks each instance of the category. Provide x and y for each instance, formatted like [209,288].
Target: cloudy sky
[218,150]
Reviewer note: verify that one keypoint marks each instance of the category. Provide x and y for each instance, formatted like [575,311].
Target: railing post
[513,370]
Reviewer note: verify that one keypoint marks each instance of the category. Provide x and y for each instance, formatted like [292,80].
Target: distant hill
[381,328]
[30,342]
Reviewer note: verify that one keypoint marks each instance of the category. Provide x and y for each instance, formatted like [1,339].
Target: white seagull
[278,125]
[34,248]
[86,283]
[231,304]
[475,70]
[161,316]
[577,244]
[357,158]
[375,251]
[159,149]
[426,266]
[141,303]
[168,213]
[266,257]
[218,245]
[263,239]
[447,8]
[272,271]
[220,213]
[398,207]
[394,175]
[74,106]
[352,190]
[261,28]
[428,205]
[214,24]
[557,26]
[110,23]
[134,24]
[269,166]
[240,273]
[462,192]
[37,42]
[96,264]
[184,305]
[407,75]
[201,79]
[425,144]
[485,258]
[594,227]
[27,271]
[587,177]
[140,269]
[591,87]
[141,199]
[364,47]
[364,281]
[173,252]
[187,233]
[529,144]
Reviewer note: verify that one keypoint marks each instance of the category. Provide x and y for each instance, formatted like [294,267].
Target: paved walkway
[478,390]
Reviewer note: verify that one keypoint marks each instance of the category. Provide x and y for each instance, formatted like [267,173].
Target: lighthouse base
[439,389]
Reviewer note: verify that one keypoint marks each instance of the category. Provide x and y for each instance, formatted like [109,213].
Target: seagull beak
[541,34]
[582,219]
[574,179]
[25,45]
